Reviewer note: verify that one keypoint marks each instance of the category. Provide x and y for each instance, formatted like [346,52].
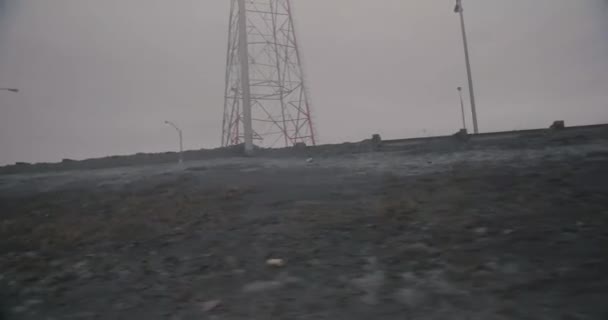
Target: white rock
[481,230]
[275,262]
[211,305]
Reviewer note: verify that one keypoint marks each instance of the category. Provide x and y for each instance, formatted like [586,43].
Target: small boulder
[211,305]
[274,262]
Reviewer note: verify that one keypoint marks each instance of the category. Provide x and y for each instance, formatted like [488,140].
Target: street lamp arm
[181,143]
[173,125]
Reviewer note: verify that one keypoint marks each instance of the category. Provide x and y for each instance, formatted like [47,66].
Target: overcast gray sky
[99,77]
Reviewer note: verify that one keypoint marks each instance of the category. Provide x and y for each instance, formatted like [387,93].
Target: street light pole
[181,145]
[464,121]
[460,10]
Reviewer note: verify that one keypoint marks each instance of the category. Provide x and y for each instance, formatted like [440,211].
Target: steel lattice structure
[266,101]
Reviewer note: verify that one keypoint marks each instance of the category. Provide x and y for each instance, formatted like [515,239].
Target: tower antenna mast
[266,99]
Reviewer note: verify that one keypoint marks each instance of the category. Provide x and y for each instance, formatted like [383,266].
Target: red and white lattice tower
[266,101]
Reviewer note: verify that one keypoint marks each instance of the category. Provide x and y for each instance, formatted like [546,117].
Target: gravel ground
[494,234]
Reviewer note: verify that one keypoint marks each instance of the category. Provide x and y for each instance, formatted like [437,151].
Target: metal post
[459,9]
[244,59]
[464,121]
[181,140]
[181,147]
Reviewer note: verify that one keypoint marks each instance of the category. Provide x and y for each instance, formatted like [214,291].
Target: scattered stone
[232,262]
[370,284]
[123,273]
[411,297]
[315,262]
[421,247]
[210,305]
[310,160]
[286,278]
[81,269]
[507,232]
[371,265]
[120,306]
[432,282]
[201,168]
[55,263]
[259,286]
[409,277]
[282,280]
[481,231]
[509,268]
[33,302]
[31,254]
[275,262]
[490,265]
[239,271]
[20,309]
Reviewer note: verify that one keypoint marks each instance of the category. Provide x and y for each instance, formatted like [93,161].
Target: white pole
[181,147]
[464,121]
[460,10]
[244,57]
